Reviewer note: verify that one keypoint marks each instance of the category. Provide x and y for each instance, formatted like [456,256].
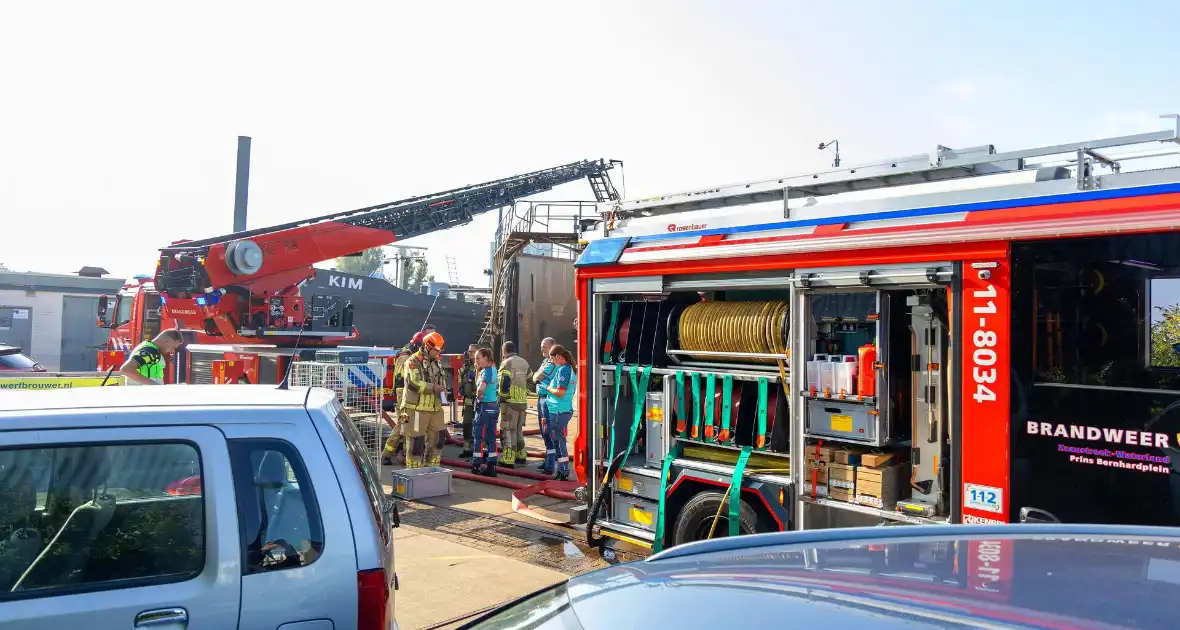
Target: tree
[2,267]
[414,273]
[1165,334]
[369,261]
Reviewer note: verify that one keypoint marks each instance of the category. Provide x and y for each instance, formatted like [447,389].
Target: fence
[359,389]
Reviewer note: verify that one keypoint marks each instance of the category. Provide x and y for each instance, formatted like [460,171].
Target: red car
[11,360]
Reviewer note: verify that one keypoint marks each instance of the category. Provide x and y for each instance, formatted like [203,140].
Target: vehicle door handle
[161,616]
[1037,515]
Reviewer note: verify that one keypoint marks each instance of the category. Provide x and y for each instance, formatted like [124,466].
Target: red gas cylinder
[866,376]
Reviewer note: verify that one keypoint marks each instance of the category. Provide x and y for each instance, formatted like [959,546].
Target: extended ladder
[941,164]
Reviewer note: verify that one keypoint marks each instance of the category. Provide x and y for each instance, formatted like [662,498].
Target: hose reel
[708,331]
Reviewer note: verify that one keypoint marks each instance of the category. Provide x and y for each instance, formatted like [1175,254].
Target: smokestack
[242,184]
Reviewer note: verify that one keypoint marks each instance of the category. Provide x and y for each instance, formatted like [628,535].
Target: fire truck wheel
[697,517]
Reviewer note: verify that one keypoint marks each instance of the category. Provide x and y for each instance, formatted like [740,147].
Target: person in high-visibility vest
[396,442]
[145,365]
[422,399]
[515,403]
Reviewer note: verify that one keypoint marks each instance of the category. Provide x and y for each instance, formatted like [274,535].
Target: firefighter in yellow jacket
[395,444]
[422,401]
[513,404]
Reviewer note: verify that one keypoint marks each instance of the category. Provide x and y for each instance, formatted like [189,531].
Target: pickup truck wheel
[697,517]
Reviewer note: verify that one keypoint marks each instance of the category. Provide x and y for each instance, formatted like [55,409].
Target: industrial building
[541,304]
[52,316]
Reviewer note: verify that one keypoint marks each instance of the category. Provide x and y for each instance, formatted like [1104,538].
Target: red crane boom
[244,287]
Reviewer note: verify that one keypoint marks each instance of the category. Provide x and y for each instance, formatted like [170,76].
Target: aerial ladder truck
[240,293]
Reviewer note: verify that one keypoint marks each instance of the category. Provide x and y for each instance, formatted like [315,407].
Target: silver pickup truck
[190,506]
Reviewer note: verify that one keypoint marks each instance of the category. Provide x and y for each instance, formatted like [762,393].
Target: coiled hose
[748,327]
[603,490]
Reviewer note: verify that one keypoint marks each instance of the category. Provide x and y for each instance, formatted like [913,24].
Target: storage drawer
[843,421]
[631,482]
[634,511]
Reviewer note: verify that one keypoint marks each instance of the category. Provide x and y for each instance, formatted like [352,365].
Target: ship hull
[388,316]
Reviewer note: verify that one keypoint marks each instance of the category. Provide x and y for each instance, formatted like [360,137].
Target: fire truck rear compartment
[737,352]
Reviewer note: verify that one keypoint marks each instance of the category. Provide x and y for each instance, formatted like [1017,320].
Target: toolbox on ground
[421,483]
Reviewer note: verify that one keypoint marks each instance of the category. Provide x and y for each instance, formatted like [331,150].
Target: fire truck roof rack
[941,164]
[416,216]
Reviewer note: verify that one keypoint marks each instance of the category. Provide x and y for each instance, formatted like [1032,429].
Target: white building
[51,317]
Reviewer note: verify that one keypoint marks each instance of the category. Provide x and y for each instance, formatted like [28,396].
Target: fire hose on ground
[514,485]
[532,453]
[513,472]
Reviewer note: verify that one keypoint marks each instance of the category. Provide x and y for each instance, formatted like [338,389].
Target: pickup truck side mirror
[101,320]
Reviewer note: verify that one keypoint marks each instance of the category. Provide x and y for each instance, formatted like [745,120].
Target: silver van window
[370,477]
[277,510]
[97,517]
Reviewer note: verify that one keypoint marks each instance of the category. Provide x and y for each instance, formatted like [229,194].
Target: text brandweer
[1096,434]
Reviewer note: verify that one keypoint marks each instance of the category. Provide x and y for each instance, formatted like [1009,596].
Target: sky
[118,122]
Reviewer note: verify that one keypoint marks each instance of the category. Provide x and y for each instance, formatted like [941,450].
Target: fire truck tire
[697,517]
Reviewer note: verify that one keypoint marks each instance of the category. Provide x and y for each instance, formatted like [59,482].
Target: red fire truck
[959,336]
[237,297]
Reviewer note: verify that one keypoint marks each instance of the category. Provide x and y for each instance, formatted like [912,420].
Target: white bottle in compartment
[846,370]
[827,375]
[814,366]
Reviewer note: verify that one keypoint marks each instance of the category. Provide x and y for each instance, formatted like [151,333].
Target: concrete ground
[440,579]
[466,551]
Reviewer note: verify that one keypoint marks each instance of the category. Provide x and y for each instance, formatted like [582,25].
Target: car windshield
[547,610]
[14,360]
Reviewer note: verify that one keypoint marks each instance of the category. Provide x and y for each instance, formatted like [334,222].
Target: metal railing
[553,227]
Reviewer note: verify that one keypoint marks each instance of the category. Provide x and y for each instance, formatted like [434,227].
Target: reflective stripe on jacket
[424,380]
[517,369]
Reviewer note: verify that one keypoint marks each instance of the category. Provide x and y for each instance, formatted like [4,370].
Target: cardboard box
[816,471]
[879,487]
[841,494]
[850,456]
[877,460]
[818,453]
[820,490]
[842,476]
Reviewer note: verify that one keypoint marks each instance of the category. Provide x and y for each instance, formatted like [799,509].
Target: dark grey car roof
[897,577]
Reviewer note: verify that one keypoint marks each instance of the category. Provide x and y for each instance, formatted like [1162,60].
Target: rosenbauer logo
[672,227]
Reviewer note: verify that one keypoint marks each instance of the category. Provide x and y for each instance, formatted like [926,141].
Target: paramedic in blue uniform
[541,378]
[486,414]
[560,401]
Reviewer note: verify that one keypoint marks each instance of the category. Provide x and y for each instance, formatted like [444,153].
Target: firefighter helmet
[433,341]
